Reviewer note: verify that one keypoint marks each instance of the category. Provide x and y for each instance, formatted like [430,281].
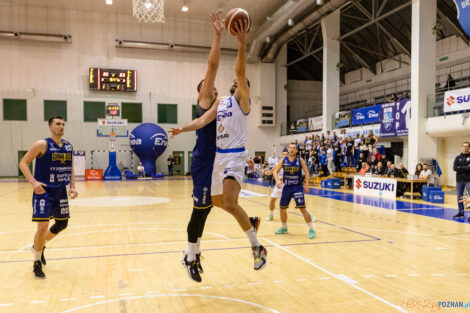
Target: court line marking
[336,276]
[36,301]
[6,304]
[172,295]
[96,297]
[67,299]
[152,291]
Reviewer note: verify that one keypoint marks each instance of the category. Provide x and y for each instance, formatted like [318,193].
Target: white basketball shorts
[227,164]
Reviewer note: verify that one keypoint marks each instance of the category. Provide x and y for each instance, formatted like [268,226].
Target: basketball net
[148,11]
[112,141]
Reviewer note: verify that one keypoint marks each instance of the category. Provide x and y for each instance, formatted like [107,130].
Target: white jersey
[231,124]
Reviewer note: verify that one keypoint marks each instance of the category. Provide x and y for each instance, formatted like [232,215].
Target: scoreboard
[113,80]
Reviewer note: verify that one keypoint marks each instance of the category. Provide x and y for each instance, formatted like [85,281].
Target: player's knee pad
[59,226]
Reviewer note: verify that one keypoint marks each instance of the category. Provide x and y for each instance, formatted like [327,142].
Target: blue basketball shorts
[289,192]
[201,172]
[52,204]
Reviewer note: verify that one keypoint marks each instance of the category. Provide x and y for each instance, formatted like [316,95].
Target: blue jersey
[205,139]
[54,168]
[292,172]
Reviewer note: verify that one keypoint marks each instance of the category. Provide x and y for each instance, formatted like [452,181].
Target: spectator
[380,170]
[170,162]
[324,162]
[402,170]
[426,173]
[363,148]
[141,170]
[313,162]
[371,140]
[419,169]
[364,168]
[404,95]
[388,170]
[330,159]
[393,98]
[393,172]
[462,167]
[450,83]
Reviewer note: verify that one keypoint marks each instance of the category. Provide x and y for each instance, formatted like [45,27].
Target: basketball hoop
[112,141]
[148,11]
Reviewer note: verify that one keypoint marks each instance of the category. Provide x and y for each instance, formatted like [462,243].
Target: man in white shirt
[140,169]
[329,154]
[272,161]
[426,173]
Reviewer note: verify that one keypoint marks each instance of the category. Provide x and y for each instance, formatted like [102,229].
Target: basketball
[232,18]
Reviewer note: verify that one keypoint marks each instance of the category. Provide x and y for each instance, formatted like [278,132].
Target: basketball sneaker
[198,260]
[255,221]
[191,268]
[269,218]
[311,234]
[37,269]
[43,259]
[281,231]
[260,254]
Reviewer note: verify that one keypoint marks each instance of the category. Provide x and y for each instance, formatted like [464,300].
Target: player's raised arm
[307,175]
[243,90]
[197,123]
[206,95]
[38,148]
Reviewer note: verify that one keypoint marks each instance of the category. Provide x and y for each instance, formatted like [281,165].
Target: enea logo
[359,116]
[160,139]
[134,141]
[450,100]
[358,184]
[372,114]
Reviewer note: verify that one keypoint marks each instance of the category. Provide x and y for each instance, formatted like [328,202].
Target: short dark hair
[58,117]
[199,86]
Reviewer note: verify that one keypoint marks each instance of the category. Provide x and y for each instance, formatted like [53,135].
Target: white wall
[38,71]
[304,98]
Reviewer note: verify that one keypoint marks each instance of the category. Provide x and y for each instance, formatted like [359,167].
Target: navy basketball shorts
[201,172]
[289,192]
[52,204]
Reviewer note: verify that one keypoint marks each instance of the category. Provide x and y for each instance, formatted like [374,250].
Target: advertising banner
[315,123]
[302,125]
[367,115]
[79,162]
[395,117]
[342,119]
[457,100]
[375,186]
[463,14]
[94,174]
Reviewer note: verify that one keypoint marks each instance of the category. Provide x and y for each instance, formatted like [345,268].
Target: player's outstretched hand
[37,187]
[216,23]
[175,131]
[241,29]
[73,193]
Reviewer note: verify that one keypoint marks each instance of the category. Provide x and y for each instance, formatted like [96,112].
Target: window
[55,108]
[14,110]
[93,110]
[167,113]
[132,112]
[194,112]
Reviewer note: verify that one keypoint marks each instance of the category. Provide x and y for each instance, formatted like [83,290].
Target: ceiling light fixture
[290,22]
[268,39]
[320,2]
[109,2]
[184,8]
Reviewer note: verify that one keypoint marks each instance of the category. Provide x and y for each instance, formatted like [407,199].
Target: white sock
[310,225]
[284,225]
[198,246]
[37,255]
[271,213]
[251,233]
[191,252]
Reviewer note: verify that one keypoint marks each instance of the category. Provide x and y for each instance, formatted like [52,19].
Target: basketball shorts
[52,204]
[276,192]
[289,192]
[227,164]
[201,172]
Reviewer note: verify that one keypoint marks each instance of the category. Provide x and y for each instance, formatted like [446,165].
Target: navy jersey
[54,168]
[205,138]
[292,172]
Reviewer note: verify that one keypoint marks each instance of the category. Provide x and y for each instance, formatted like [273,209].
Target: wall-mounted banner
[343,119]
[457,100]
[315,123]
[367,115]
[79,162]
[395,118]
[463,14]
[302,125]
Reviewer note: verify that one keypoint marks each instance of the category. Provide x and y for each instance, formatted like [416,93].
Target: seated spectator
[418,170]
[404,95]
[141,170]
[364,168]
[394,172]
[450,83]
[380,170]
[426,173]
[403,171]
[393,98]
[361,160]
[388,169]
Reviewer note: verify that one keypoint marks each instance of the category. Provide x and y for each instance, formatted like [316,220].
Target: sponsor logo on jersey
[223,114]
[221,128]
[223,136]
[62,157]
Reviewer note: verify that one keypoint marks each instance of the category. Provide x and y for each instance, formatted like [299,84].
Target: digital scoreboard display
[113,109]
[113,80]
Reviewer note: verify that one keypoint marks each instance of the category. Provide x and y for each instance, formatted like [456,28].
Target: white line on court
[278,281]
[437,274]
[391,275]
[335,276]
[26,246]
[36,302]
[6,304]
[176,290]
[368,276]
[67,299]
[460,274]
[96,297]
[257,283]
[323,278]
[172,295]
[207,287]
[152,291]
[301,279]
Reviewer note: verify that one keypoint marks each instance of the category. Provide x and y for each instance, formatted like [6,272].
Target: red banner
[94,174]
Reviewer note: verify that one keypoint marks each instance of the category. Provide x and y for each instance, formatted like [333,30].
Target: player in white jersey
[231,154]
[277,192]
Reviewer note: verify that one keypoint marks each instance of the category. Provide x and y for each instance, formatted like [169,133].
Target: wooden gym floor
[122,251]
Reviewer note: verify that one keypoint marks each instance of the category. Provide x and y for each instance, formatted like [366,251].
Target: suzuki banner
[315,123]
[367,115]
[463,14]
[457,100]
[395,118]
[375,186]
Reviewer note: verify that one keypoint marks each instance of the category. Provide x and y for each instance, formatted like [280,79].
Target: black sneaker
[198,261]
[260,254]
[459,215]
[43,259]
[37,269]
[192,269]
[255,221]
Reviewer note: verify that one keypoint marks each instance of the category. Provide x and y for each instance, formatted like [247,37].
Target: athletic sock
[310,225]
[251,233]
[284,225]
[191,252]
[37,255]
[198,246]
[271,213]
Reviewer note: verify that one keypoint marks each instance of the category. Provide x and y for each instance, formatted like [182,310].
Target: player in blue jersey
[53,172]
[292,166]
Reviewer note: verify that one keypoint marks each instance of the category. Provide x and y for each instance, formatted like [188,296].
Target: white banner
[79,162]
[375,186]
[111,122]
[457,100]
[315,123]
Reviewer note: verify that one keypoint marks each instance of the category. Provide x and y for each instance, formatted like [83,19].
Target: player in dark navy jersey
[52,173]
[292,166]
